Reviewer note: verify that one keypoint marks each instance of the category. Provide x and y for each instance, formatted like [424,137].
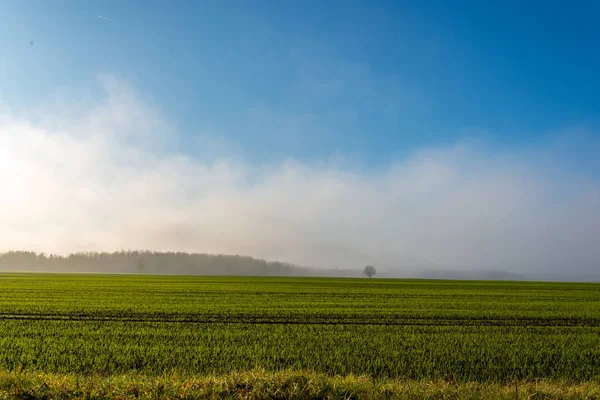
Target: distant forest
[149,262]
[152,262]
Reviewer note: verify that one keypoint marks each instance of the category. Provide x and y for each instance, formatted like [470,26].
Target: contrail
[101,17]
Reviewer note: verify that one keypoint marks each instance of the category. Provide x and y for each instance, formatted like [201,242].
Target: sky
[408,135]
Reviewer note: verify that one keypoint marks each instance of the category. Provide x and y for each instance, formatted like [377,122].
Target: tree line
[148,262]
[152,262]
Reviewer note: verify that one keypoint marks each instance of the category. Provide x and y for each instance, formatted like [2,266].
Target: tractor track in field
[472,322]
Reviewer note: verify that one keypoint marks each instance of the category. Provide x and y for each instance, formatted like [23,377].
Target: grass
[280,385]
[103,335]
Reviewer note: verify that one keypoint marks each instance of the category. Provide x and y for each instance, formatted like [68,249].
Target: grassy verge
[281,385]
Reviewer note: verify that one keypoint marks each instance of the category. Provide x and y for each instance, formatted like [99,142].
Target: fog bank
[101,174]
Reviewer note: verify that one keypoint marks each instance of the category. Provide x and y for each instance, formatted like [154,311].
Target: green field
[409,329]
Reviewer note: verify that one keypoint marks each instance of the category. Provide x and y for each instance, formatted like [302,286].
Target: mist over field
[87,172]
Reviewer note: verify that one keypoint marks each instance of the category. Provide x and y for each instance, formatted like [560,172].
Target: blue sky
[272,80]
[408,135]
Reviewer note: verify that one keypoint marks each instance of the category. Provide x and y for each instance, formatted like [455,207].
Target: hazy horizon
[183,263]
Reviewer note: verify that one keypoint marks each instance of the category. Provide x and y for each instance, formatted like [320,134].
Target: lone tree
[369,271]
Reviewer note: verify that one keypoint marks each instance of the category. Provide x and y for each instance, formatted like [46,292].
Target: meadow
[384,330]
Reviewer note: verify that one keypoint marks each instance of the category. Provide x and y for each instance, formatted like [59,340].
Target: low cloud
[102,177]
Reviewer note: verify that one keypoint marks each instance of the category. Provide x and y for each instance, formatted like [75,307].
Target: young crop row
[475,353]
[481,331]
[272,300]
